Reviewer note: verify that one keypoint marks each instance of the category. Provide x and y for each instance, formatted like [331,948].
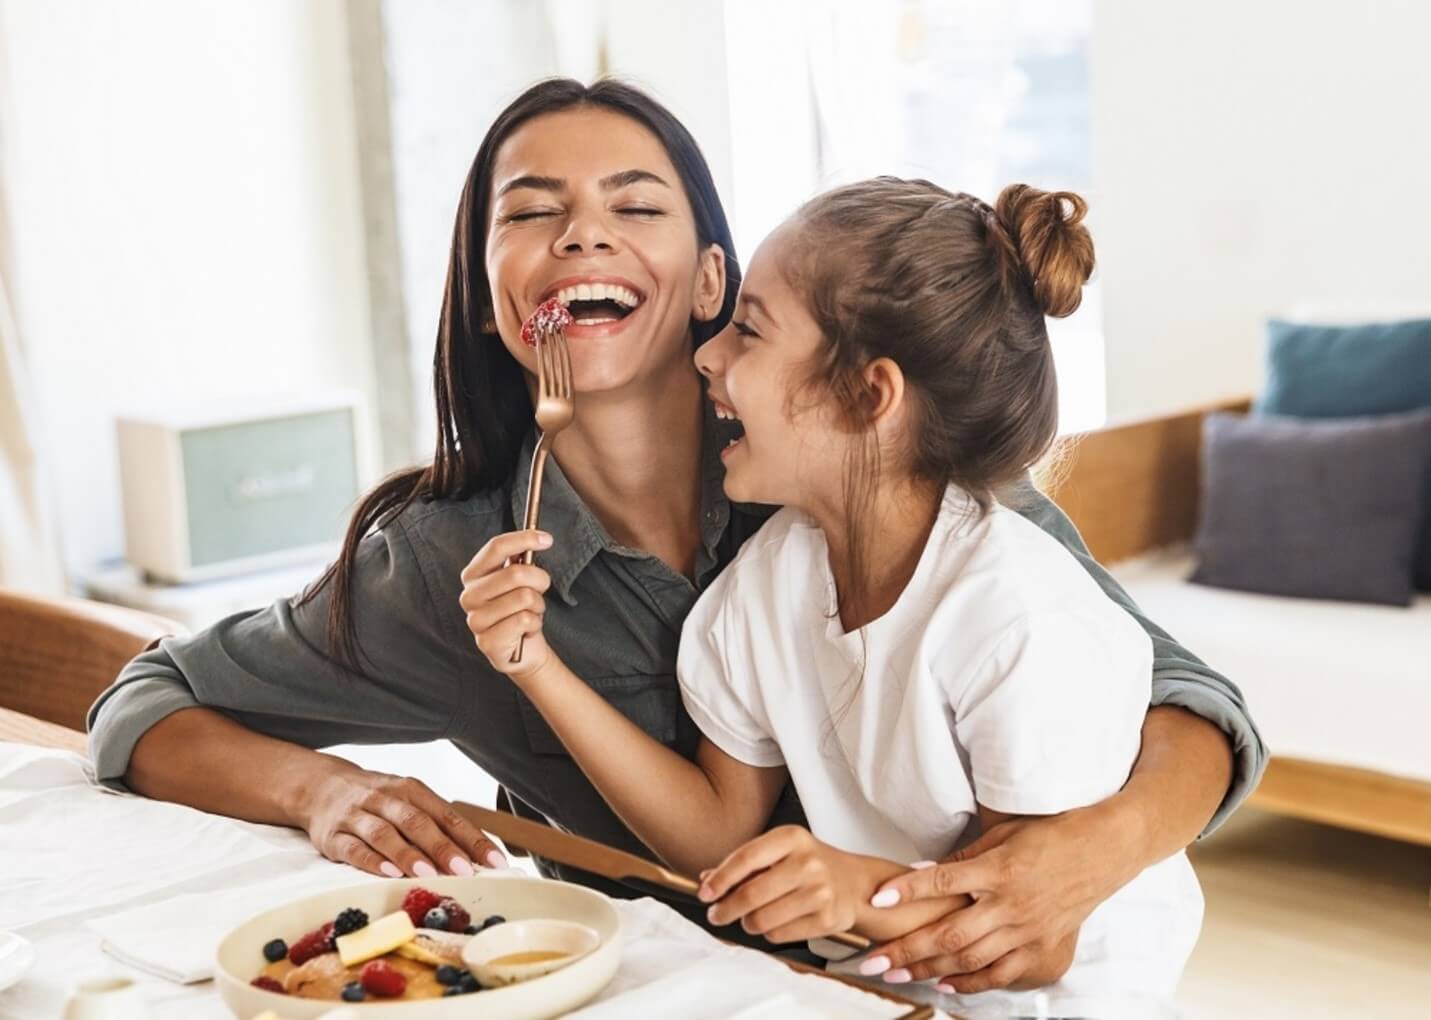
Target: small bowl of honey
[521,950]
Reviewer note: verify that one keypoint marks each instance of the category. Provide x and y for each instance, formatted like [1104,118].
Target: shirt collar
[580,536]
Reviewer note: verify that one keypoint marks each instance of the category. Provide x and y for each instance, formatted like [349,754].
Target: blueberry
[468,983]
[436,918]
[350,921]
[471,929]
[275,950]
[494,919]
[448,974]
[353,992]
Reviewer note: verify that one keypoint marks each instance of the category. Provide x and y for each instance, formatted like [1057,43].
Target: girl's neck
[635,460]
[894,531]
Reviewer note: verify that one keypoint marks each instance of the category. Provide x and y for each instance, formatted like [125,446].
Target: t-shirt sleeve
[1053,719]
[719,683]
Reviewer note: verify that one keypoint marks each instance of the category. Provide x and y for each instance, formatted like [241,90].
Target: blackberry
[350,921]
[275,950]
[353,992]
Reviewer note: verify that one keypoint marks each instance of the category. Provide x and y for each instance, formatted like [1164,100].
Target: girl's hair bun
[1046,228]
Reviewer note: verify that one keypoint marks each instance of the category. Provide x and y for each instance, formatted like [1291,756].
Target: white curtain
[29,552]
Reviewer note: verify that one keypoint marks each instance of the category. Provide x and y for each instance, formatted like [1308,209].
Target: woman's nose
[585,234]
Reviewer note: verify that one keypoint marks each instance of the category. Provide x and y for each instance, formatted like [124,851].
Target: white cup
[107,998]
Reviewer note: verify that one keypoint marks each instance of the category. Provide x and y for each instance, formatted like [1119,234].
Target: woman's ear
[710,284]
[884,385]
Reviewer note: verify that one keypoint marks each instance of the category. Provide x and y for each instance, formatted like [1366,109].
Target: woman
[577,186]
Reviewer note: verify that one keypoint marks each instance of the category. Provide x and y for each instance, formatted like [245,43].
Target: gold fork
[556,407]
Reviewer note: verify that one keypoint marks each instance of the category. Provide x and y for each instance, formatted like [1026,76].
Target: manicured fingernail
[897,977]
[921,865]
[946,989]
[711,915]
[874,965]
[390,869]
[424,870]
[495,859]
[705,894]
[460,866]
[543,539]
[885,898]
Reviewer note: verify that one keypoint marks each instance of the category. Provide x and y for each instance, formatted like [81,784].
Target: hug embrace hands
[1004,912]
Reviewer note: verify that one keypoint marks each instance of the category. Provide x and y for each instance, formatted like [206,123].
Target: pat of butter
[382,936]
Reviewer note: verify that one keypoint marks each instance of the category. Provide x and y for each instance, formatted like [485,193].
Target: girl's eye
[743,329]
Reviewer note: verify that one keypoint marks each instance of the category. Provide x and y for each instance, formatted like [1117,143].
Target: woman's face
[586,207]
[793,451]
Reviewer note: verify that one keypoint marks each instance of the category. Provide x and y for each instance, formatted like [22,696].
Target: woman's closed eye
[530,214]
[640,210]
[743,329]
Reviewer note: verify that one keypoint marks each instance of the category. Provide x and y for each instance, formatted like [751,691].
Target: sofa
[1341,691]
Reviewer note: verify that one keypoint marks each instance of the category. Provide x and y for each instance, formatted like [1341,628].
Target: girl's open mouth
[726,413]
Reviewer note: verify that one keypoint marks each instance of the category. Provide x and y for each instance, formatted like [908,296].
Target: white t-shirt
[1003,676]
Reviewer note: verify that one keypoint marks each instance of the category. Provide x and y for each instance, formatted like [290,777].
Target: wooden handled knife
[597,858]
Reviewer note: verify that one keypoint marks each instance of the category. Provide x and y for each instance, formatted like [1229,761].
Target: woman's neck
[635,460]
[893,533]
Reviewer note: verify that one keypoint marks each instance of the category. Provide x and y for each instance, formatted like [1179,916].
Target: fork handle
[534,502]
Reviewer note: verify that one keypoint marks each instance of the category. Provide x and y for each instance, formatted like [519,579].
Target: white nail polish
[424,870]
[874,965]
[495,859]
[390,869]
[460,866]
[885,898]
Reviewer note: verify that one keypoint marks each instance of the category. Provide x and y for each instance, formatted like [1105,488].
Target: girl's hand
[504,601]
[785,885]
[1034,880]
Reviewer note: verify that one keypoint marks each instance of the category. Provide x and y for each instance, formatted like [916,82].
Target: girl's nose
[711,355]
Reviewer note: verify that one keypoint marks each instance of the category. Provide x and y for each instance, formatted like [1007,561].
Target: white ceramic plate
[240,954]
[16,957]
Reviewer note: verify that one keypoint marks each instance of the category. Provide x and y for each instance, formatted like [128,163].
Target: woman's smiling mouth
[727,413]
[599,306]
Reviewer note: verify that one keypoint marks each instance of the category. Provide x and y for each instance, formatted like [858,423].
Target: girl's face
[586,207]
[793,451]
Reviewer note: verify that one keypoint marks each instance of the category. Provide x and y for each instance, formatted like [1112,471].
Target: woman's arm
[690,813]
[226,721]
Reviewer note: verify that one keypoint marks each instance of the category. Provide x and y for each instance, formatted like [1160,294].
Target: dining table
[103,883]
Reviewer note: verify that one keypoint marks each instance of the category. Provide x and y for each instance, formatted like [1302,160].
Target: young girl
[921,661]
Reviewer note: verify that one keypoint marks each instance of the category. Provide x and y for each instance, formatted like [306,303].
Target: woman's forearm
[1181,776]
[672,804]
[202,758]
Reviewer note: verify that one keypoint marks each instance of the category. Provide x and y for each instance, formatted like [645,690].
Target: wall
[1250,158]
[185,220]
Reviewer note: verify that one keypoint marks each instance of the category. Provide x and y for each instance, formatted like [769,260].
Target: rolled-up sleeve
[275,671]
[1180,678]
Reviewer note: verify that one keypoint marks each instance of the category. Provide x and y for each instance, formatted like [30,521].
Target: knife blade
[597,858]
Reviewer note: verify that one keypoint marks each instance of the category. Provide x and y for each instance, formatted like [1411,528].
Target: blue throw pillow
[1352,372]
[1317,509]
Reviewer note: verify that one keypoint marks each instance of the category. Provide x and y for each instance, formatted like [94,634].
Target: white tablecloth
[72,853]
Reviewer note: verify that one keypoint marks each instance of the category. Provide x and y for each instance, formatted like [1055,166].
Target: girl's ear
[710,284]
[884,389]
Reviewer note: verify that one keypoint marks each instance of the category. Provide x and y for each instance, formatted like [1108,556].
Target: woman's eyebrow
[533,181]
[625,177]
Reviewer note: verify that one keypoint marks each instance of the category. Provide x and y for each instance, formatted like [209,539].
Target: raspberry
[418,902]
[267,983]
[315,943]
[457,917]
[379,978]
[350,921]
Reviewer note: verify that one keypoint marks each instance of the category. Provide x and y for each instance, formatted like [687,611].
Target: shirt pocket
[650,700]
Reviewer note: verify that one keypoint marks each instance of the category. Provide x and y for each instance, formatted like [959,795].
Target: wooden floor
[1309,922]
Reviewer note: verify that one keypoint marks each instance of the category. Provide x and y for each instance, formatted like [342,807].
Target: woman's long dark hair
[483,409]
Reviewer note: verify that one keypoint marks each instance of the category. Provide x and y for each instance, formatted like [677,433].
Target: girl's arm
[691,813]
